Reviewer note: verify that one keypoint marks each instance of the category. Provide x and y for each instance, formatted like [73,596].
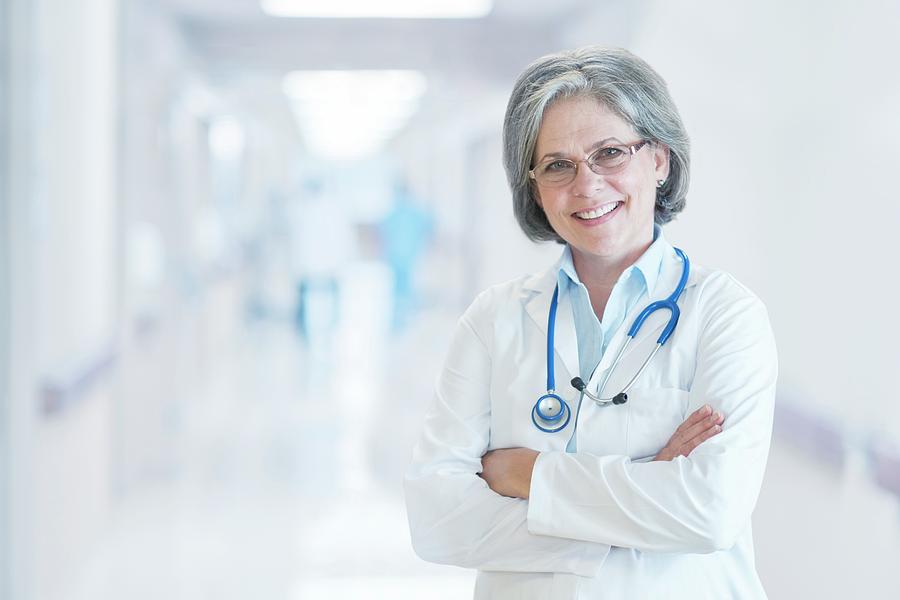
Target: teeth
[597,212]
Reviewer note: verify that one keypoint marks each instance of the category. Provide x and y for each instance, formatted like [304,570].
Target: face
[606,216]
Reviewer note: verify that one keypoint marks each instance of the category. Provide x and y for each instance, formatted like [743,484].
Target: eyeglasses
[607,160]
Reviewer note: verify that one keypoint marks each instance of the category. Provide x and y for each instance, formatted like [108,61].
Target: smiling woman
[560,493]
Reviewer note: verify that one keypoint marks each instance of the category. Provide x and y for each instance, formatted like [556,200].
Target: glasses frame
[594,167]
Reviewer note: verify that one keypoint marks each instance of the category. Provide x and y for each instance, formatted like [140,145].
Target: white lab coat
[604,522]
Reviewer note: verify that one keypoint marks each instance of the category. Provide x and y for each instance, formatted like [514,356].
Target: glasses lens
[609,158]
[557,172]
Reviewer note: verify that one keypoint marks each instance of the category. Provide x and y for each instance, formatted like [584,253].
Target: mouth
[599,214]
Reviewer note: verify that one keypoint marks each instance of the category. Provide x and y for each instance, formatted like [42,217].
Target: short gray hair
[626,85]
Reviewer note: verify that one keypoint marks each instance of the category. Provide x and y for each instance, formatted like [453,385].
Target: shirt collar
[648,265]
[567,268]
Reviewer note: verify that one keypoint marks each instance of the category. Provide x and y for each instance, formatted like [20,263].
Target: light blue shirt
[593,335]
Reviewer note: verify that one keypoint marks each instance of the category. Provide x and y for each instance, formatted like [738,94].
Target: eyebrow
[594,147]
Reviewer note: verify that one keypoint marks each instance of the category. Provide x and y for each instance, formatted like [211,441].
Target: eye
[558,165]
[608,153]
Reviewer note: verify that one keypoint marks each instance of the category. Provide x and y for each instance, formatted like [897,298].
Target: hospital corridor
[239,238]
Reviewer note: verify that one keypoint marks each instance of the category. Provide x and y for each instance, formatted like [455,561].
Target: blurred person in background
[641,482]
[321,239]
[405,232]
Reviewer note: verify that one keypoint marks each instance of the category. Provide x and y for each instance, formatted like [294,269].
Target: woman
[565,497]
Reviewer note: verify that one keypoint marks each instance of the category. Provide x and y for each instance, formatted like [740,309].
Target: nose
[586,182]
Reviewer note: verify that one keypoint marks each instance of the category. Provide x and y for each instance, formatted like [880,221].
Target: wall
[792,112]
[62,296]
[5,409]
[20,420]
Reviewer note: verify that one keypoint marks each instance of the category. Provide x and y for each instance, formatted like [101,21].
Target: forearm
[697,504]
[458,520]
[454,517]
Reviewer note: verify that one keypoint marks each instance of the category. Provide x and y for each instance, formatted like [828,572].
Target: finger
[691,444]
[698,415]
[695,417]
[703,411]
[487,463]
[692,431]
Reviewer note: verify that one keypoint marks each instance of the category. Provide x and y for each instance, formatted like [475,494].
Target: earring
[660,183]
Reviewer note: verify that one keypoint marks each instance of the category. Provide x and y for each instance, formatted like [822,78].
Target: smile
[596,213]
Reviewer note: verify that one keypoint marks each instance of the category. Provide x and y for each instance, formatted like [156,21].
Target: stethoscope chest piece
[551,413]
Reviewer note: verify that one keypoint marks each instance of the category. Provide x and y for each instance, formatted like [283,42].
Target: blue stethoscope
[551,413]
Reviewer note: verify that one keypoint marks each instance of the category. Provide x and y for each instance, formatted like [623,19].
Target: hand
[697,428]
[508,471]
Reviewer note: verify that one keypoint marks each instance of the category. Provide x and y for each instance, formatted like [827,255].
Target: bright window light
[379,9]
[351,114]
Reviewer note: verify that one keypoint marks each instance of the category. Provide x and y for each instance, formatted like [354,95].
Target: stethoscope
[551,413]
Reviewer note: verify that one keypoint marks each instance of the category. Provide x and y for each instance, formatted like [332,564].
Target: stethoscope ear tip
[620,398]
[578,384]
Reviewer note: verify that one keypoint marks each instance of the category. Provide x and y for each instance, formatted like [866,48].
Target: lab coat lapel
[666,283]
[540,288]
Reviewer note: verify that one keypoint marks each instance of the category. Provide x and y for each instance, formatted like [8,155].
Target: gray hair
[626,85]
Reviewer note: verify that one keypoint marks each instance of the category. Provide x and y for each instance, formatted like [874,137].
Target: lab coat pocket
[653,416]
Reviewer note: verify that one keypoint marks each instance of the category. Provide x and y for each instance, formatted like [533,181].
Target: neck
[602,272]
[599,274]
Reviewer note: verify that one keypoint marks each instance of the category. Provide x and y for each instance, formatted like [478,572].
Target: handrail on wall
[826,441]
[59,391]
[815,434]
[884,461]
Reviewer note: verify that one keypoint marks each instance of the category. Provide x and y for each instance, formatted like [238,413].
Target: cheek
[551,203]
[641,191]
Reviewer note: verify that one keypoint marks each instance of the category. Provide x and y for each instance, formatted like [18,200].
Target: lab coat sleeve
[454,517]
[700,503]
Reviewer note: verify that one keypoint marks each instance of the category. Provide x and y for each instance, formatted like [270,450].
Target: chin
[610,243]
[610,246]
[603,249]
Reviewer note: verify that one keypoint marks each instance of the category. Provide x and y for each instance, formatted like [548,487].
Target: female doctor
[642,485]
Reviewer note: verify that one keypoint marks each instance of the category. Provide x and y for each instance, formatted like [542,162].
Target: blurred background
[237,233]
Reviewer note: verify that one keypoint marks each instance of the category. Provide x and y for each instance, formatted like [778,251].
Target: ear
[661,161]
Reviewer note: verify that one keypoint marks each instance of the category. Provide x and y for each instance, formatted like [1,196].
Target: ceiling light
[351,114]
[381,9]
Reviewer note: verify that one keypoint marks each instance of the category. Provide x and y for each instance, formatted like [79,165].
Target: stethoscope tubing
[551,335]
[670,303]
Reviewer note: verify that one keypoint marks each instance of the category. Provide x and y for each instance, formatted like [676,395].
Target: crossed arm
[508,470]
[694,497]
